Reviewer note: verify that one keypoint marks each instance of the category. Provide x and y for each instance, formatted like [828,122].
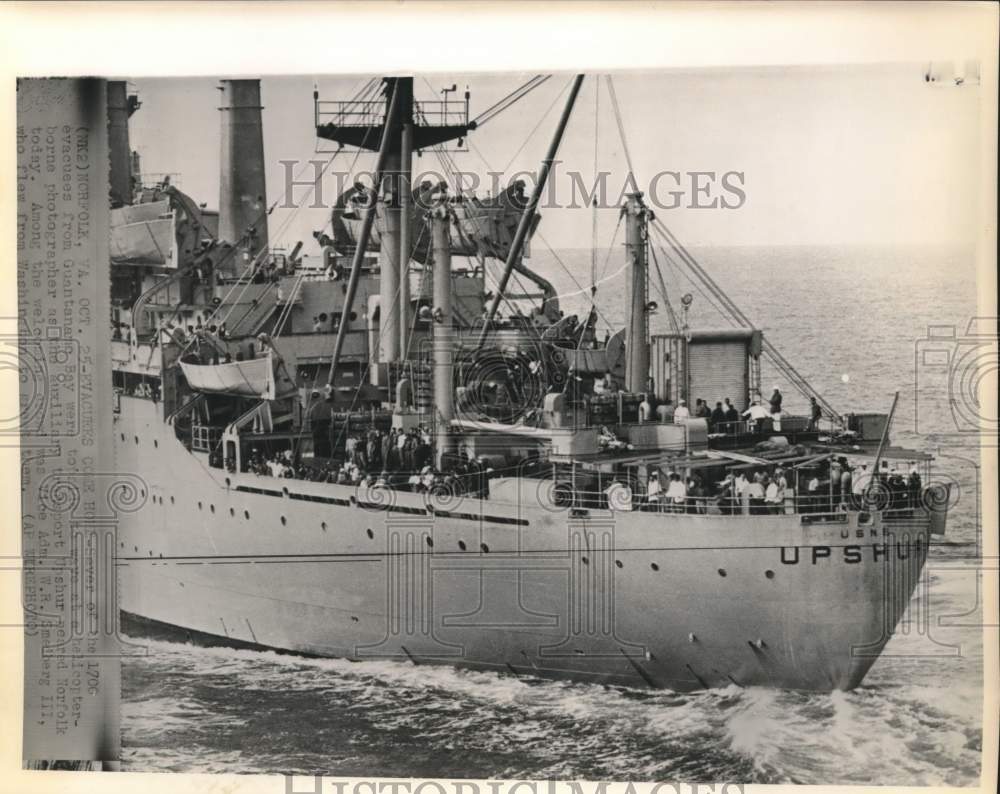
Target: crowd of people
[758,417]
[373,458]
[837,485]
[763,492]
[828,486]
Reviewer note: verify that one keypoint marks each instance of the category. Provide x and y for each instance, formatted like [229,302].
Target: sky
[842,156]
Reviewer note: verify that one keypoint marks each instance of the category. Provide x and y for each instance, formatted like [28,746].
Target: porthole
[232,511]
[199,506]
[321,526]
[370,534]
[430,542]
[246,514]
[722,572]
[485,548]
[156,443]
[171,500]
[461,545]
[137,439]
[654,566]
[618,563]
[585,560]
[211,508]
[769,574]
[123,436]
[142,492]
[284,521]
[228,482]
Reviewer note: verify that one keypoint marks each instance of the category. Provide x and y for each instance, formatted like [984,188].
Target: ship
[377,457]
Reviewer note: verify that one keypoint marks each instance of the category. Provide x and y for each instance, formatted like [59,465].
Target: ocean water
[854,322]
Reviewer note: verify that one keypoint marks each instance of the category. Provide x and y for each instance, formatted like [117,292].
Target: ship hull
[638,599]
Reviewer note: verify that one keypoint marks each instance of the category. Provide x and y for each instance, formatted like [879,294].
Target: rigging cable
[671,316]
[539,124]
[509,100]
[621,126]
[776,357]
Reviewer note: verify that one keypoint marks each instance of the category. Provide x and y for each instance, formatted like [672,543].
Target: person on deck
[837,466]
[776,401]
[732,415]
[815,414]
[654,491]
[860,486]
[676,493]
[319,420]
[702,410]
[757,414]
[681,411]
[728,499]
[373,449]
[717,419]
[774,494]
[387,441]
[756,492]
[914,486]
[812,502]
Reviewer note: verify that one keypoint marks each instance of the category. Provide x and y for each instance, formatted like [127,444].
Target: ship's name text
[852,554]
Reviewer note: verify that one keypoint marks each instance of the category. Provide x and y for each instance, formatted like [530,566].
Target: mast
[354,123]
[636,336]
[362,244]
[405,231]
[390,191]
[524,225]
[873,482]
[443,346]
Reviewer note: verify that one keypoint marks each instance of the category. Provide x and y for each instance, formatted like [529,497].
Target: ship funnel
[242,192]
[120,107]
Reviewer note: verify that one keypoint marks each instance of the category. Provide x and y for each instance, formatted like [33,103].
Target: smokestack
[118,144]
[242,192]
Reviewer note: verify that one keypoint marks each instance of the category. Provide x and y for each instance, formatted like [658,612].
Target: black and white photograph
[629,425]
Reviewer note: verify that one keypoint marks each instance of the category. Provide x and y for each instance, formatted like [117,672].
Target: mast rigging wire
[514,96]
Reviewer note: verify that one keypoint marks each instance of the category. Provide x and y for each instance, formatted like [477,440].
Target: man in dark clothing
[319,420]
[387,441]
[914,486]
[718,418]
[815,414]
[702,411]
[732,415]
[776,401]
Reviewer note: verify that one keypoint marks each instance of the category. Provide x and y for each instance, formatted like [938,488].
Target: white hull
[761,600]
